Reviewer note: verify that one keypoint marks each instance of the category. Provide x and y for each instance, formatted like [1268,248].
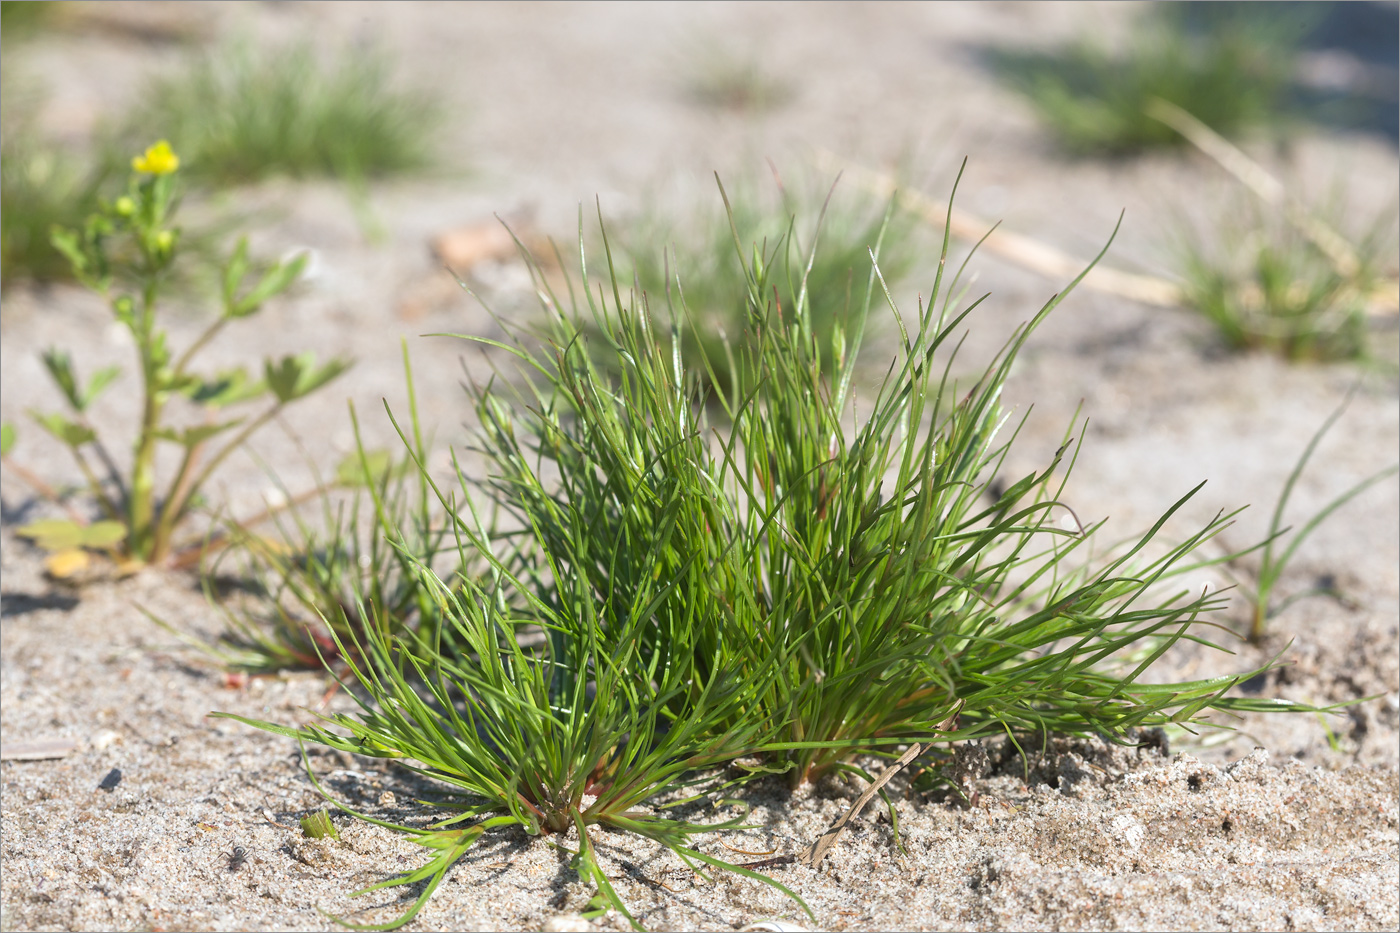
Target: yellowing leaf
[53,534]
[64,564]
[103,534]
[60,534]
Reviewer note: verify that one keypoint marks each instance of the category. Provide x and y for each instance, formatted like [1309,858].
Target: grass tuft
[658,596]
[1231,72]
[1266,285]
[686,257]
[41,185]
[246,113]
[718,78]
[313,581]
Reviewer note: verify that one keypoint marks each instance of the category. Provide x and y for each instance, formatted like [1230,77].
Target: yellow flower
[158,160]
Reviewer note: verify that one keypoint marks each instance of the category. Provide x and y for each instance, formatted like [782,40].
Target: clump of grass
[1284,279]
[716,77]
[23,20]
[1231,73]
[558,732]
[686,258]
[1266,285]
[314,581]
[41,186]
[868,567]
[663,596]
[244,113]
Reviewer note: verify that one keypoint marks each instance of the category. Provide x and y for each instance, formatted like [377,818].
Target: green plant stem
[209,333]
[181,488]
[143,481]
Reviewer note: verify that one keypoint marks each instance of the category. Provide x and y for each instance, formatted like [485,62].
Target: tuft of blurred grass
[1222,62]
[244,113]
[688,259]
[1266,286]
[41,186]
[718,78]
[21,20]
[40,189]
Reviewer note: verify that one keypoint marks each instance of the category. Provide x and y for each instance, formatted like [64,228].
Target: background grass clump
[1228,65]
[245,112]
[1267,285]
[42,185]
[802,581]
[683,258]
[336,571]
[716,77]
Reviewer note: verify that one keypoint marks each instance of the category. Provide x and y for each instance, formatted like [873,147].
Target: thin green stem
[180,489]
[209,333]
[183,488]
[141,542]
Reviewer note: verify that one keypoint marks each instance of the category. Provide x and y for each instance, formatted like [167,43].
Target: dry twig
[813,855]
[1022,250]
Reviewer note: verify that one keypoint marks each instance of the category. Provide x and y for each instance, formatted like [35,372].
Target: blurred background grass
[240,111]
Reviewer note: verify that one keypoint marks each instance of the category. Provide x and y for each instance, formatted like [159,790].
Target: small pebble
[105,738]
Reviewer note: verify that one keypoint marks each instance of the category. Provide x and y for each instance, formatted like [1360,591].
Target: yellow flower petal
[160,159]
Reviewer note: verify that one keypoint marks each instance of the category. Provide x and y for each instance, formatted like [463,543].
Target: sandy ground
[1283,824]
